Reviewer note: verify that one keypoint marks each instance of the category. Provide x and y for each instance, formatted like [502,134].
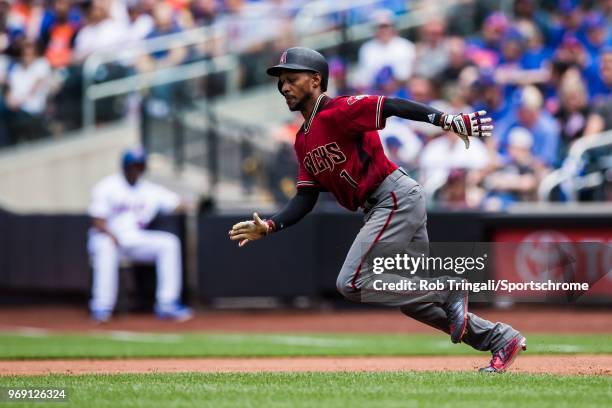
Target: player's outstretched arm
[464,124]
[296,209]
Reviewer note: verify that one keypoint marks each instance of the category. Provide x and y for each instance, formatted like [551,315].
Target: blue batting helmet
[133,156]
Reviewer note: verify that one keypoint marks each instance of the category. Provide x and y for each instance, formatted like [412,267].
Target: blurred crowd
[543,73]
[43,44]
[542,69]
[544,76]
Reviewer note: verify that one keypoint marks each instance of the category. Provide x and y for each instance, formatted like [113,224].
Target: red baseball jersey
[339,150]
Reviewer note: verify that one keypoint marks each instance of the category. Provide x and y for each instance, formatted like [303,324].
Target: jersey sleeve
[361,113]
[100,206]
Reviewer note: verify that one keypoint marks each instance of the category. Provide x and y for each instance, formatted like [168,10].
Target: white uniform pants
[161,248]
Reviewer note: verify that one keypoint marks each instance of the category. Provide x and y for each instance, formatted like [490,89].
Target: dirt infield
[354,321]
[388,321]
[583,365]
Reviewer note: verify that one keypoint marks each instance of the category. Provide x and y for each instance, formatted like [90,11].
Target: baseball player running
[339,150]
[122,206]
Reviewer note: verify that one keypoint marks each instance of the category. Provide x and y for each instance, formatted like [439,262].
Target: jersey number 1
[344,174]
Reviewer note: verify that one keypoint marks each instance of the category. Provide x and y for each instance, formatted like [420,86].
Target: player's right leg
[105,263]
[390,226]
[396,225]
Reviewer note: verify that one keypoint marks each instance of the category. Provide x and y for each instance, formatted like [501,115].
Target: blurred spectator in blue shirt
[536,57]
[570,22]
[164,95]
[599,85]
[536,120]
[486,51]
[598,33]
[523,59]
[572,52]
[509,72]
[164,24]
[512,46]
[385,83]
[64,10]
[491,97]
[600,118]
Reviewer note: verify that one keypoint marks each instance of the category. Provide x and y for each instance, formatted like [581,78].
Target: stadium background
[187,80]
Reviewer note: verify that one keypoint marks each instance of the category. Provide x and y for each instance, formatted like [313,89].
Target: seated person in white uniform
[122,206]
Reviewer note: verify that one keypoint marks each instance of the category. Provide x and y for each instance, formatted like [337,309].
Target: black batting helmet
[302,59]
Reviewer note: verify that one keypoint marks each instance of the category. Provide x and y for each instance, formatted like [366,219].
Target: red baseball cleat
[504,357]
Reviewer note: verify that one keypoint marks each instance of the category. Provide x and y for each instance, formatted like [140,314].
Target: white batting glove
[246,231]
[470,124]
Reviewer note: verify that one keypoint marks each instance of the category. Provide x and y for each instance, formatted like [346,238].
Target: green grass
[456,390]
[131,344]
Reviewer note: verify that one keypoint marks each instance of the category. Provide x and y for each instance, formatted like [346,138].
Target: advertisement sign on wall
[556,255]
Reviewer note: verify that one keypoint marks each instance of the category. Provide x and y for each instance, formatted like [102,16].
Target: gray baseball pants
[398,215]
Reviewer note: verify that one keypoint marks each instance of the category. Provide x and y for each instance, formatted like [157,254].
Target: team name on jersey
[125,207]
[323,158]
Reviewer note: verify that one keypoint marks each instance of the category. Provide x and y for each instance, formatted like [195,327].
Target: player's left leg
[502,340]
[481,334]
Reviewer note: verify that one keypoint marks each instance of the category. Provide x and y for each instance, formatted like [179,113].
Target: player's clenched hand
[246,231]
[468,124]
